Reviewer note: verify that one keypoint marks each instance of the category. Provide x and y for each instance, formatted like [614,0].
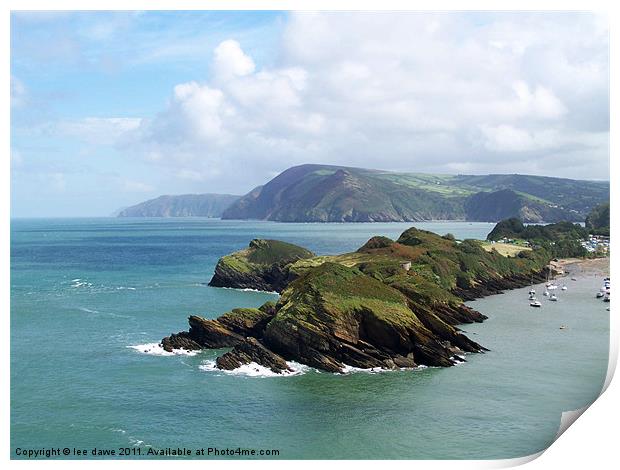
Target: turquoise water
[83,291]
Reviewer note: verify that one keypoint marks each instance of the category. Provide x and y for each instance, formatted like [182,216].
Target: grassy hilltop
[324,193]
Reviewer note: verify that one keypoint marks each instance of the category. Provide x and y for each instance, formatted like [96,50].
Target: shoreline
[583,267]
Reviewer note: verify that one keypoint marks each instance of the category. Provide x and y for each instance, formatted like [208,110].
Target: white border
[591,442]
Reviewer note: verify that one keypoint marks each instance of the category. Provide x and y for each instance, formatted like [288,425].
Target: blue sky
[112,108]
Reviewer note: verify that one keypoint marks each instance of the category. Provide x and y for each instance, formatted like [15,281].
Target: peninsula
[390,304]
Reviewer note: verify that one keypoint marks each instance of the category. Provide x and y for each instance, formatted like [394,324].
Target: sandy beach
[583,267]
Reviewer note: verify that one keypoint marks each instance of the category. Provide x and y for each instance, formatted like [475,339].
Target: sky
[109,109]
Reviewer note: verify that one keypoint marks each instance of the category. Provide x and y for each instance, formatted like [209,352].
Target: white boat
[553,297]
[564,287]
[546,293]
[535,303]
[552,287]
[532,297]
[532,292]
[606,298]
[599,294]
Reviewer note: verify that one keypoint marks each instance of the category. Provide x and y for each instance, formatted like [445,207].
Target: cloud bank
[426,92]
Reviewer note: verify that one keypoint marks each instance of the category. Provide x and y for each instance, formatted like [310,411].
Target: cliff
[188,205]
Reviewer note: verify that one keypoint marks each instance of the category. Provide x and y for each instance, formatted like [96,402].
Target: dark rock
[251,350]
[212,334]
[247,321]
[180,340]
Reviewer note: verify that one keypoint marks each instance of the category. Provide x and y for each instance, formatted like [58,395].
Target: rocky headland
[391,304]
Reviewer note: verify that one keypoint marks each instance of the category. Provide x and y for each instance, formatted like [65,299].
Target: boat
[606,298]
[599,294]
[535,303]
[532,292]
[573,278]
[532,297]
[546,293]
[553,297]
[563,327]
[564,287]
[552,287]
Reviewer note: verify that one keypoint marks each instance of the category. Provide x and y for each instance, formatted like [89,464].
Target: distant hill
[324,193]
[598,220]
[187,205]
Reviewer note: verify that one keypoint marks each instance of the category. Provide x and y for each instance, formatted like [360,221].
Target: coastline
[583,267]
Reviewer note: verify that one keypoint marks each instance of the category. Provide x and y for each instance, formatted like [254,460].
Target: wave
[156,349]
[378,370]
[88,310]
[247,289]
[79,283]
[256,370]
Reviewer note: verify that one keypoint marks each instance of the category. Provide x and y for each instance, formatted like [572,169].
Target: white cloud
[405,91]
[230,61]
[505,138]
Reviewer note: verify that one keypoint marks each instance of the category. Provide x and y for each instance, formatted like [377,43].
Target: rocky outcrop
[226,331]
[247,321]
[252,351]
[262,266]
[362,309]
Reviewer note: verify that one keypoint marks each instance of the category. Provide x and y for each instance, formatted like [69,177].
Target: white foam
[79,283]
[87,310]
[347,369]
[156,349]
[256,370]
[247,289]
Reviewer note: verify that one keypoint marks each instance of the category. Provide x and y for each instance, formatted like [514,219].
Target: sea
[92,298]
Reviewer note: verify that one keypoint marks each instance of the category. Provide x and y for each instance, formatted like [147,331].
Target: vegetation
[389,304]
[598,220]
[322,193]
[505,249]
[263,265]
[275,251]
[514,228]
[562,240]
